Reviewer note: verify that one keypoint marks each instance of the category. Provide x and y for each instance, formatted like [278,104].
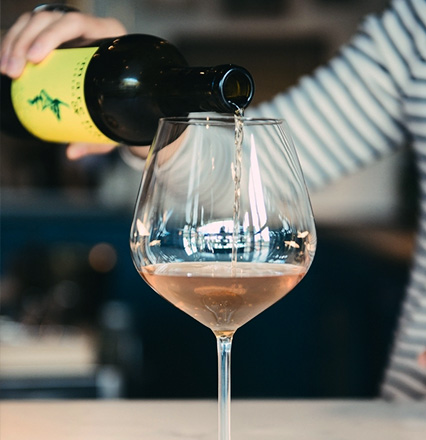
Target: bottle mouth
[237,87]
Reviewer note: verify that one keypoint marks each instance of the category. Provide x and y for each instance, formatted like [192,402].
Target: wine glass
[223,226]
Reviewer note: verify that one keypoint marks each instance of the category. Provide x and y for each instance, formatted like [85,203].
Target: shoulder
[401,26]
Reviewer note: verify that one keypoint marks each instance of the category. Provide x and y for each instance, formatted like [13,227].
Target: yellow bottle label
[48,98]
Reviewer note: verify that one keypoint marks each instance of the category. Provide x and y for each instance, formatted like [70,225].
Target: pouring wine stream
[224,342]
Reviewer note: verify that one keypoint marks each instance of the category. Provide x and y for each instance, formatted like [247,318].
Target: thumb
[79,150]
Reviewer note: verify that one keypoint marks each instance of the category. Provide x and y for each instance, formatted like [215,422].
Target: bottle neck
[222,89]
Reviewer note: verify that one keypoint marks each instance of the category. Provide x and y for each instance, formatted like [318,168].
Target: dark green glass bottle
[117,89]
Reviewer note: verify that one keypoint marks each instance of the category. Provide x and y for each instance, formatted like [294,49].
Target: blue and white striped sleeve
[348,113]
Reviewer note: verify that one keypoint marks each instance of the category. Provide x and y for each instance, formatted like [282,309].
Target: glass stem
[224,344]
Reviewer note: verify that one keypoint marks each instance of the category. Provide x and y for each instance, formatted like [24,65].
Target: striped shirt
[368,101]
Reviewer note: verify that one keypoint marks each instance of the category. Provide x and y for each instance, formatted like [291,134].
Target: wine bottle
[116,90]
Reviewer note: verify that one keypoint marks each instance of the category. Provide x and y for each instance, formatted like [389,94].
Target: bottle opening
[238,87]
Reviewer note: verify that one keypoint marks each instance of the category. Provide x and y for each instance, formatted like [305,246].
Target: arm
[347,114]
[352,112]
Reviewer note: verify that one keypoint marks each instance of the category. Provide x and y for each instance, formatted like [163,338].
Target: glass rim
[223,120]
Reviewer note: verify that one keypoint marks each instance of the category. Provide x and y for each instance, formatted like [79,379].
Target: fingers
[8,57]
[31,38]
[49,33]
[19,40]
[34,36]
[78,150]
[72,26]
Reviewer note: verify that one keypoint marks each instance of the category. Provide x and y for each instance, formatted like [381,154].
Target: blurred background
[77,321]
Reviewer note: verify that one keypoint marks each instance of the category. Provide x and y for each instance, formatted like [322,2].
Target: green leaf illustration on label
[43,101]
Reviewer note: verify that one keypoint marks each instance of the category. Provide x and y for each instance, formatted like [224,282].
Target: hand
[79,150]
[34,35]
